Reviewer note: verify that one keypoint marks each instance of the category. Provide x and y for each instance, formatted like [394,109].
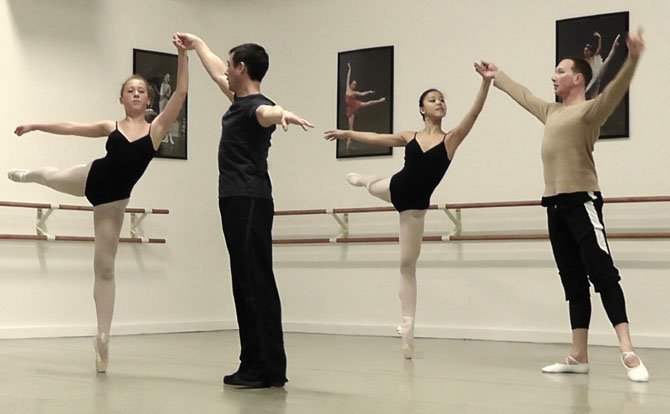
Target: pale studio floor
[181,373]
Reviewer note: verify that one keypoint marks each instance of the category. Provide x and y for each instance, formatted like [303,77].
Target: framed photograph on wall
[364,98]
[601,41]
[160,70]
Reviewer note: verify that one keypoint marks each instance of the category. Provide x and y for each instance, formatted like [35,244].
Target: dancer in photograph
[594,57]
[428,154]
[593,88]
[352,103]
[247,208]
[163,96]
[574,202]
[107,182]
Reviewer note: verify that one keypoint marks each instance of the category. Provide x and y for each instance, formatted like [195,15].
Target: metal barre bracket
[136,225]
[455,218]
[342,221]
[41,221]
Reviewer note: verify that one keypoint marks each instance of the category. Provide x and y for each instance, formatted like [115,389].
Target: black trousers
[582,254]
[247,228]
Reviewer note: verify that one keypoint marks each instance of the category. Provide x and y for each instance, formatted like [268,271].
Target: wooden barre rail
[453,211]
[79,208]
[520,203]
[467,237]
[77,238]
[137,215]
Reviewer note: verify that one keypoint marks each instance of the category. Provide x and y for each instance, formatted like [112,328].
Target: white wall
[66,60]
[476,290]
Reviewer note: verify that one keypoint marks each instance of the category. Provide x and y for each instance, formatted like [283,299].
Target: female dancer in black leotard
[428,154]
[107,182]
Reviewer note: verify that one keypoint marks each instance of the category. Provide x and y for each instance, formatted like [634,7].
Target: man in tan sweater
[573,200]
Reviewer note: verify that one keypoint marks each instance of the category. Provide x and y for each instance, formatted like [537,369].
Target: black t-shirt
[243,150]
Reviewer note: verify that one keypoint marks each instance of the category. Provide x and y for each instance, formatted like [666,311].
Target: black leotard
[412,186]
[113,177]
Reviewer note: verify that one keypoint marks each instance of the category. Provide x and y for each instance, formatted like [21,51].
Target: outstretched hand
[487,70]
[22,129]
[178,43]
[288,118]
[185,40]
[335,134]
[635,43]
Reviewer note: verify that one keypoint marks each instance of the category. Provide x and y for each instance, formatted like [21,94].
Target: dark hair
[579,65]
[423,96]
[150,90]
[255,58]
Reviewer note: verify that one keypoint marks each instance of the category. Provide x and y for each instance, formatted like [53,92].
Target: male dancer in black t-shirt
[247,210]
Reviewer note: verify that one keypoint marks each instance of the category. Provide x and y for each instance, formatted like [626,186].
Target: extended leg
[70,180]
[411,232]
[372,102]
[108,220]
[377,187]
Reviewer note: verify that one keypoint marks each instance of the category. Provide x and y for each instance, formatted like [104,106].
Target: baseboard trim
[484,334]
[421,331]
[55,331]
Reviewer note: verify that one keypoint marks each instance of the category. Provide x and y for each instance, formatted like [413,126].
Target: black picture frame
[573,35]
[371,71]
[154,67]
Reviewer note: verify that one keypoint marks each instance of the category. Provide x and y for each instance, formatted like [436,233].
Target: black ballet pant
[579,243]
[247,228]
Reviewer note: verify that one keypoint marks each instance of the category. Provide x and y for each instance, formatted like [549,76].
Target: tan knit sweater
[570,132]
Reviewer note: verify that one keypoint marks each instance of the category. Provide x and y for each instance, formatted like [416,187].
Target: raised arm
[458,134]
[388,140]
[348,77]
[94,130]
[163,122]
[613,49]
[599,49]
[276,115]
[214,65]
[519,93]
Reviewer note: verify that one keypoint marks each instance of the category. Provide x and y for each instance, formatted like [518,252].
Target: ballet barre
[45,210]
[454,212]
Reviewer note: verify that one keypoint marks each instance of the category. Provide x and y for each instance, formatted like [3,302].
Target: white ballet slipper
[638,373]
[571,366]
[406,332]
[355,179]
[101,343]
[17,175]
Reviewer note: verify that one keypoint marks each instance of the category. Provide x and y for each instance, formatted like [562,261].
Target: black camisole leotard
[113,177]
[412,186]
